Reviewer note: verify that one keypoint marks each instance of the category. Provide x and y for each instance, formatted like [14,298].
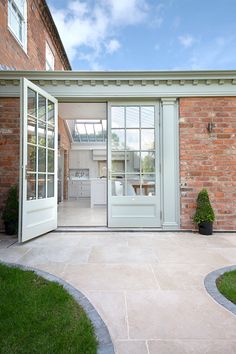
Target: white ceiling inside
[82,110]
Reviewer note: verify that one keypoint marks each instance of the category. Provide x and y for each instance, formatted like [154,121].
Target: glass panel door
[133,160]
[38,155]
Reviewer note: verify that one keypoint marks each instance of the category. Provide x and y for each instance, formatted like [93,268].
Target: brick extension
[208,159]
[9,147]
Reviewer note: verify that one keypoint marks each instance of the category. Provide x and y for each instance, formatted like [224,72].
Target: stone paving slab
[147,287]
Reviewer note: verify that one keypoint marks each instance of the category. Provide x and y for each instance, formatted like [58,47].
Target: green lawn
[38,316]
[226,284]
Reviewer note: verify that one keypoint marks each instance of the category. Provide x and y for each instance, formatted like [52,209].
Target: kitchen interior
[86,175]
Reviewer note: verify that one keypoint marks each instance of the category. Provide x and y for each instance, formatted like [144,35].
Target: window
[17,20]
[133,150]
[85,131]
[40,147]
[50,60]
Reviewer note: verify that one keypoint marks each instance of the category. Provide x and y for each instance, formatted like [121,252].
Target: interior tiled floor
[78,213]
[148,287]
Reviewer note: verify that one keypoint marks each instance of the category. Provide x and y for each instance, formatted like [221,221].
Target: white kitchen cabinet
[79,189]
[98,192]
[84,188]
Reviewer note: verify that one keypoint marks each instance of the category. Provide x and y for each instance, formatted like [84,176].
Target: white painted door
[38,174]
[133,164]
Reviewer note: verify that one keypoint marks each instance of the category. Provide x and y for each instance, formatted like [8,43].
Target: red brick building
[27,34]
[191,117]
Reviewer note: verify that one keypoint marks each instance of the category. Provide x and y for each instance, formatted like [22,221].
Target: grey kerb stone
[210,285]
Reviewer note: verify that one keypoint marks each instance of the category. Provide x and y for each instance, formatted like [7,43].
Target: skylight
[86,131]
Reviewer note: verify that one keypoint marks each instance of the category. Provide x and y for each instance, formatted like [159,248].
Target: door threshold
[112,229]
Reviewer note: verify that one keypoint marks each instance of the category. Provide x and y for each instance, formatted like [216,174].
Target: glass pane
[42,108]
[80,128]
[118,161]
[42,134]
[132,117]
[50,137]
[50,160]
[133,161]
[132,139]
[15,20]
[147,117]
[50,112]
[32,102]
[118,185]
[132,185]
[50,186]
[31,186]
[41,186]
[117,117]
[147,139]
[148,161]
[148,185]
[31,161]
[118,139]
[32,130]
[98,132]
[41,159]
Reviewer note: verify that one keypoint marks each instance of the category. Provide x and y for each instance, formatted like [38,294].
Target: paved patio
[148,287]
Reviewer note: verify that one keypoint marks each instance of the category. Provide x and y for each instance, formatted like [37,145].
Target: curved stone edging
[210,285]
[105,345]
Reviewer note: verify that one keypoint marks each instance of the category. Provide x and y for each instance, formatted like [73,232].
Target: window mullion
[37,144]
[47,147]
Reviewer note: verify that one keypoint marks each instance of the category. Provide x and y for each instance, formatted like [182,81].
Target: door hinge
[160,214]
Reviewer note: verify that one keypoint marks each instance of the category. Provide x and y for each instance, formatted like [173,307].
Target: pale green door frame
[169,127]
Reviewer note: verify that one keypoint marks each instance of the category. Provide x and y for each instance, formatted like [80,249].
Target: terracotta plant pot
[205,228]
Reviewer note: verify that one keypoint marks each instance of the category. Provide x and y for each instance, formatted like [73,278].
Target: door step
[111,229]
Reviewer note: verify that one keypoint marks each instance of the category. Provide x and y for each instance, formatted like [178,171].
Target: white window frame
[49,52]
[23,15]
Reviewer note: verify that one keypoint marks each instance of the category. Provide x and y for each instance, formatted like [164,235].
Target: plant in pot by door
[204,215]
[10,212]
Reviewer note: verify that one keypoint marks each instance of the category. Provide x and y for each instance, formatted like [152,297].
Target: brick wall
[64,149]
[9,147]
[208,159]
[13,55]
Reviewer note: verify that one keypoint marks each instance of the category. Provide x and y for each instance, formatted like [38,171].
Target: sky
[147,34]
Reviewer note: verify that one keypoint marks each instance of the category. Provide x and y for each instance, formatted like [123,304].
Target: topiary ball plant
[204,215]
[10,211]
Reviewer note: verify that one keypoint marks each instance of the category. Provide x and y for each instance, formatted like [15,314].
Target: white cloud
[79,8]
[126,12]
[90,26]
[113,46]
[186,40]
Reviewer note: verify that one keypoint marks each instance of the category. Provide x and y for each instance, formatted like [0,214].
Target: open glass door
[38,173]
[133,164]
